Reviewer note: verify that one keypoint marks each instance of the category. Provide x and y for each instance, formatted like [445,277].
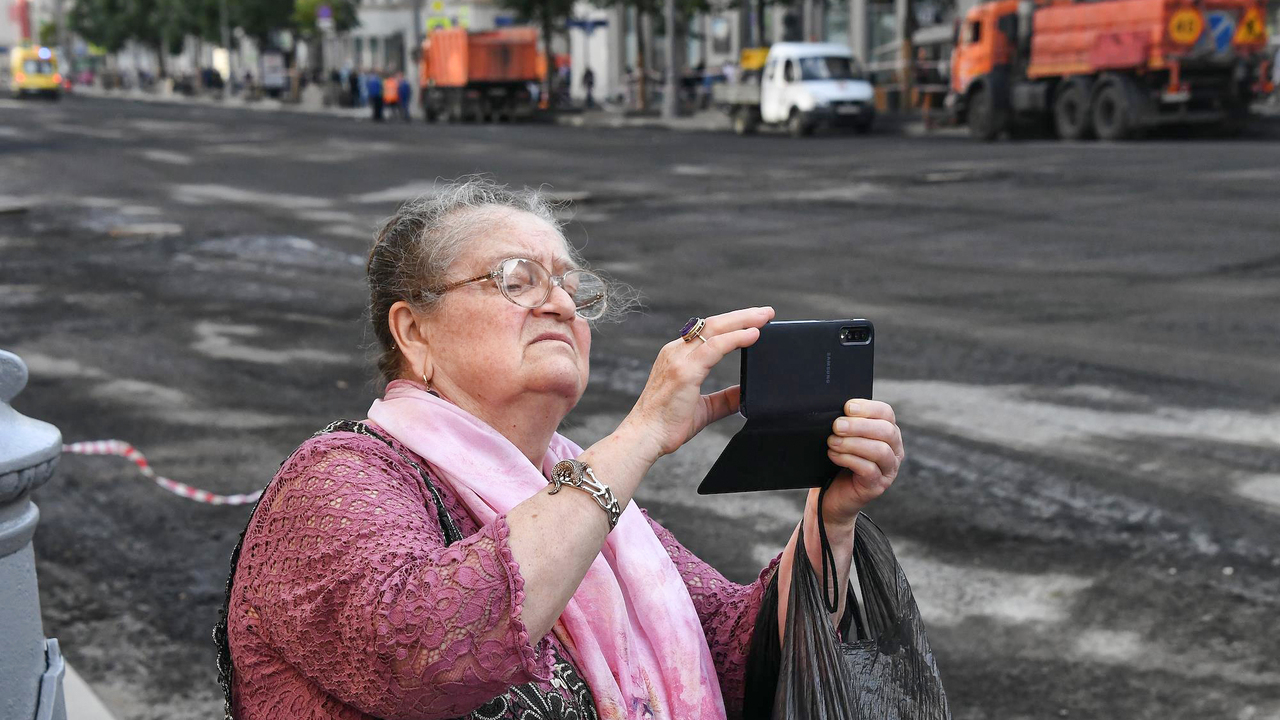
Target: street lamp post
[224,22]
[669,107]
[31,666]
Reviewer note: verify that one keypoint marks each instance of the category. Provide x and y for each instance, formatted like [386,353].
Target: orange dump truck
[479,75]
[1107,68]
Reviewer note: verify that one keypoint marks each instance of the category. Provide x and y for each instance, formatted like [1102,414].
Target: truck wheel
[1072,116]
[796,124]
[744,121]
[1111,113]
[986,121]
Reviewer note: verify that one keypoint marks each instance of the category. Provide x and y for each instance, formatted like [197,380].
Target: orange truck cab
[484,75]
[1107,68]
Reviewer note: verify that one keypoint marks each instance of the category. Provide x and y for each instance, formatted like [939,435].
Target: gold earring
[426,383]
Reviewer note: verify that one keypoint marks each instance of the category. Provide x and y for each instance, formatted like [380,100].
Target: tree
[549,15]
[48,34]
[261,18]
[101,22]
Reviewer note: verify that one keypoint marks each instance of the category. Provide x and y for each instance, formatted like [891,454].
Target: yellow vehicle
[34,71]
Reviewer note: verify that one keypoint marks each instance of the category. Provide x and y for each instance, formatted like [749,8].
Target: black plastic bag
[885,671]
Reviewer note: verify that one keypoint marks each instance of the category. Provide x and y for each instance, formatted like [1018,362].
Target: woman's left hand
[867,444]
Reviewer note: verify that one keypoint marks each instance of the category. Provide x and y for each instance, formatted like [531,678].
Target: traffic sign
[1185,26]
[1252,28]
[1222,27]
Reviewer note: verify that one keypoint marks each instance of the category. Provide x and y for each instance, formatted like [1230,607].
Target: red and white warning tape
[125,450]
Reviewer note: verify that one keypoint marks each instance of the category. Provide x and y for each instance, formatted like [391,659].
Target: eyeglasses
[528,284]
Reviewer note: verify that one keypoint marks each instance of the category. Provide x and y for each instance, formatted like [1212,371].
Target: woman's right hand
[672,408]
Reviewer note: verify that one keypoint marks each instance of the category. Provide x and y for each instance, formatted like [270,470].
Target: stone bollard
[31,667]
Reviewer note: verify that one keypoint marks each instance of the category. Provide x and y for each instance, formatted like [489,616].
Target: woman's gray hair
[417,246]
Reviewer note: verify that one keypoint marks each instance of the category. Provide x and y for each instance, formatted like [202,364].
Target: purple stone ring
[693,329]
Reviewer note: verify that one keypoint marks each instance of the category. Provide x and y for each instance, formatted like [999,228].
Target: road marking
[167,156]
[1263,488]
[146,230]
[950,594]
[217,340]
[46,366]
[212,194]
[92,132]
[397,194]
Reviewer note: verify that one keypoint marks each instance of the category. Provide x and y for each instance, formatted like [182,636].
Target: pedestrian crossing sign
[1252,29]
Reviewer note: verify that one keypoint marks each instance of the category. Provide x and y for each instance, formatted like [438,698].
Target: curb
[263,105]
[82,703]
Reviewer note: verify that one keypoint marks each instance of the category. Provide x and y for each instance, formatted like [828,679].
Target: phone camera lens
[855,335]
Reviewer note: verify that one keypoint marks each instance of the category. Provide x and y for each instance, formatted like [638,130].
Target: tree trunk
[760,8]
[642,67]
[198,45]
[161,61]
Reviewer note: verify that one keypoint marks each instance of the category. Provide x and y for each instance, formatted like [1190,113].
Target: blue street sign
[586,26]
[1222,27]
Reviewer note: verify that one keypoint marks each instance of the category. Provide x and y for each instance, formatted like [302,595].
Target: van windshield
[37,67]
[834,67]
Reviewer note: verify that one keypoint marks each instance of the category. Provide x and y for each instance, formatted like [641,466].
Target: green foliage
[102,22]
[48,34]
[260,18]
[539,11]
[112,23]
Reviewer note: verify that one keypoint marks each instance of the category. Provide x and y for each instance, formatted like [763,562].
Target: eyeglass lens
[527,283]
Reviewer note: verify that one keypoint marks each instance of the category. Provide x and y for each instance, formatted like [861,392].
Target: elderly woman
[453,555]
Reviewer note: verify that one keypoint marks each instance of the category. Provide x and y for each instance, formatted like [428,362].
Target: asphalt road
[1081,342]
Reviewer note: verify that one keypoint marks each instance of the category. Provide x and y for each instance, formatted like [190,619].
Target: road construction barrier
[129,452]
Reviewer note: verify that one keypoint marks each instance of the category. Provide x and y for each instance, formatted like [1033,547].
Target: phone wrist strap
[830,598]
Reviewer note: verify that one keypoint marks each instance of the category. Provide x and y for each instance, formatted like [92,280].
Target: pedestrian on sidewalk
[589,82]
[353,85]
[373,86]
[406,96]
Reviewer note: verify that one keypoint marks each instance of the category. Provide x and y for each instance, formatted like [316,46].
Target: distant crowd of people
[386,94]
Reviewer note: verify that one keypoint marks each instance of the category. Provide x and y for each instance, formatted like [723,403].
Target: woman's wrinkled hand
[867,444]
[672,408]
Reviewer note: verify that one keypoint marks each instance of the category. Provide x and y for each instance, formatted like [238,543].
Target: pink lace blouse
[346,602]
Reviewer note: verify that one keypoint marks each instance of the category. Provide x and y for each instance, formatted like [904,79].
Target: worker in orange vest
[391,94]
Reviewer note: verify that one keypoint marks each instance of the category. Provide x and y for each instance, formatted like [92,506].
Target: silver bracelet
[579,475]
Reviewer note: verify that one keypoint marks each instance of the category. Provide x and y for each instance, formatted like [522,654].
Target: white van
[802,86]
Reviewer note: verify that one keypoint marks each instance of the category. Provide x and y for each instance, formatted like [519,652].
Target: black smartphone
[807,367]
[795,381]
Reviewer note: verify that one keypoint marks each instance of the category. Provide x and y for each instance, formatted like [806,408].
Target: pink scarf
[632,629]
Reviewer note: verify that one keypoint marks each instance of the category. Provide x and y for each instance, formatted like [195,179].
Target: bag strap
[226,673]
[447,526]
[831,596]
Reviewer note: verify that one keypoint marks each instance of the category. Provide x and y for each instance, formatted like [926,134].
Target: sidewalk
[1266,122]
[310,103]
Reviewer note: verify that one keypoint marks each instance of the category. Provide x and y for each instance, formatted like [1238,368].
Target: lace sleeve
[353,585]
[727,610]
